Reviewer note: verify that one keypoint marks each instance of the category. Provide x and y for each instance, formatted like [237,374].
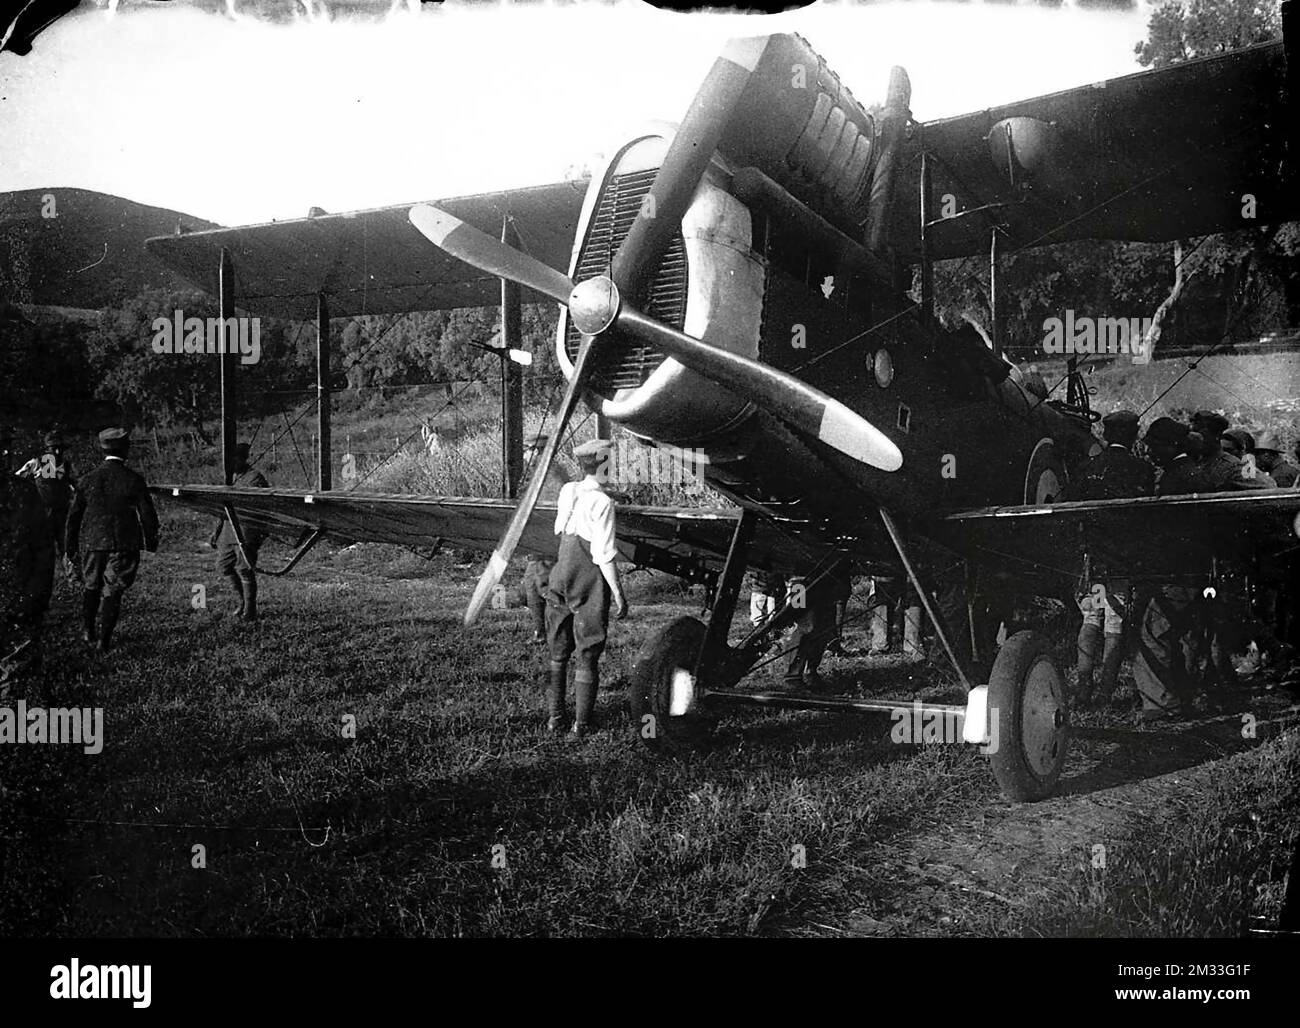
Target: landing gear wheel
[1027,690]
[665,662]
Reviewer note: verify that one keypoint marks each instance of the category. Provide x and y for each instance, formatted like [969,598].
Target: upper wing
[1147,536]
[374,261]
[685,542]
[1157,155]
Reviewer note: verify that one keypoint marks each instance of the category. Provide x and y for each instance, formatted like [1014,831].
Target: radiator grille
[623,363]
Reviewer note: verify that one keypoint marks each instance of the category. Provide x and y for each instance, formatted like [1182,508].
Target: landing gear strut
[1021,717]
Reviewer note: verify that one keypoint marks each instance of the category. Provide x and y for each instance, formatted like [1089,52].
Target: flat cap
[1167,431]
[593,448]
[1209,423]
[113,437]
[1121,418]
[1121,424]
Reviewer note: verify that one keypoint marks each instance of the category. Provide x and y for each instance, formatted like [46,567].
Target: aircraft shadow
[1115,756]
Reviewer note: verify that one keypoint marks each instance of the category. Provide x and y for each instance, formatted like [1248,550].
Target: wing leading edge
[372,261]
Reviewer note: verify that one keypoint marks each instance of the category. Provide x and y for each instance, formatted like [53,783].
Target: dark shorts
[113,571]
[582,631]
[577,605]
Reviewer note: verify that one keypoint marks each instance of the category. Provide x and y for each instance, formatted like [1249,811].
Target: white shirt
[585,510]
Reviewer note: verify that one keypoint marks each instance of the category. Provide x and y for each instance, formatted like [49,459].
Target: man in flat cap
[583,583]
[1176,473]
[26,568]
[111,519]
[240,569]
[51,470]
[1114,473]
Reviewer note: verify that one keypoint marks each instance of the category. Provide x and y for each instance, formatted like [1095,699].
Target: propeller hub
[594,304]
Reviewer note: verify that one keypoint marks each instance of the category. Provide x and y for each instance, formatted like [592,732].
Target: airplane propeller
[597,304]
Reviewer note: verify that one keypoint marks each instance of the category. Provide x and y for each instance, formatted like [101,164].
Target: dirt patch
[989,861]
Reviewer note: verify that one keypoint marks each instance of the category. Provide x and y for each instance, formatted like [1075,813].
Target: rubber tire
[675,646]
[1020,656]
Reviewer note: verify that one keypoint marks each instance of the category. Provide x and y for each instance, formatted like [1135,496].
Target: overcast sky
[240,120]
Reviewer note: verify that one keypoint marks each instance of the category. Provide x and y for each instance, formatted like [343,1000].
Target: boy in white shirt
[583,583]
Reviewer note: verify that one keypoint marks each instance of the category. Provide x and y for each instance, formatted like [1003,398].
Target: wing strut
[237,527]
[896,538]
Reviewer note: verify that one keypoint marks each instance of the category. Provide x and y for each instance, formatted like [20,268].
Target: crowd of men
[1188,638]
[1187,632]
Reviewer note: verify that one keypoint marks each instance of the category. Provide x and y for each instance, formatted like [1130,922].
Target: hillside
[80,248]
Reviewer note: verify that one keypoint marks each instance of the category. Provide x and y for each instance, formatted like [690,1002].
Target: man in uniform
[1160,671]
[111,519]
[1114,473]
[52,473]
[240,569]
[1268,457]
[583,583]
[26,568]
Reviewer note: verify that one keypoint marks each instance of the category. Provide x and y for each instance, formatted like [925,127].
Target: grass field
[452,813]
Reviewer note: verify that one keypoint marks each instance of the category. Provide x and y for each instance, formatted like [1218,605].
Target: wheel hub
[1043,716]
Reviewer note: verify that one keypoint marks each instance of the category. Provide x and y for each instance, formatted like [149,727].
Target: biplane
[738,284]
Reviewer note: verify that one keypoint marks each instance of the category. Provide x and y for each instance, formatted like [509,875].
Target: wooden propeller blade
[688,156]
[506,547]
[481,251]
[794,401]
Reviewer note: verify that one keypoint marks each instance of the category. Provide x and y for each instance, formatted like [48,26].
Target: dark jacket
[1115,473]
[1180,477]
[1224,472]
[1285,473]
[112,511]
